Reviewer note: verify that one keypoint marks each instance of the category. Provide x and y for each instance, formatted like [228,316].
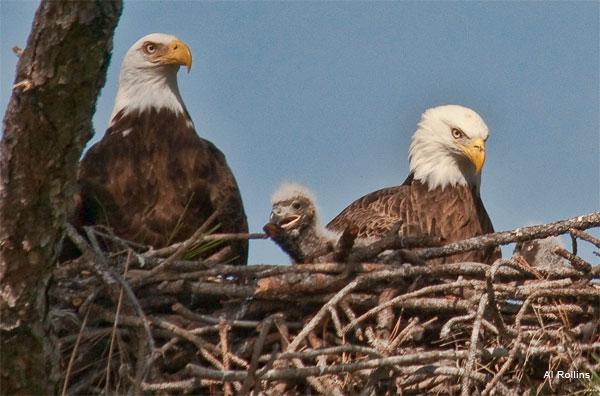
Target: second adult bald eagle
[151,177]
[440,197]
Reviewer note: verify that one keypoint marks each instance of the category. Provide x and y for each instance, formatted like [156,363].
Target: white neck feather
[141,89]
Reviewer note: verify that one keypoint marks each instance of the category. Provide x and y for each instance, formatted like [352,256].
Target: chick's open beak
[282,218]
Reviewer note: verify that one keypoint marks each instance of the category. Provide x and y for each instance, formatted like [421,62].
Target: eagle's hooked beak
[179,54]
[476,153]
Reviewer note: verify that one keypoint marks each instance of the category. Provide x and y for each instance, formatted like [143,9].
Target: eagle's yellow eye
[149,48]
[457,133]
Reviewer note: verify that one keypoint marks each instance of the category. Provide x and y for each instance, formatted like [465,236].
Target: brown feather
[143,182]
[454,214]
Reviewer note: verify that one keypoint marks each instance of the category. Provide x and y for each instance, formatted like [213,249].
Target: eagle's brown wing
[374,213]
[453,214]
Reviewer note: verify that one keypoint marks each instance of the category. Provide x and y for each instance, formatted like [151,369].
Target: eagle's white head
[448,148]
[148,76]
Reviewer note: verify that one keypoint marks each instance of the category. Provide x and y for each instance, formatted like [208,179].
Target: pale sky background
[328,94]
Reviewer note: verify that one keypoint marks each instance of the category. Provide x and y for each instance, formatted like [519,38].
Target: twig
[330,382]
[352,317]
[183,385]
[250,324]
[516,344]
[314,381]
[202,345]
[73,354]
[108,234]
[316,371]
[466,382]
[311,353]
[223,329]
[447,327]
[220,255]
[17,51]
[114,329]
[489,281]
[407,332]
[585,236]
[142,356]
[258,347]
[322,312]
[169,250]
[234,237]
[400,298]
[284,332]
[577,262]
[336,321]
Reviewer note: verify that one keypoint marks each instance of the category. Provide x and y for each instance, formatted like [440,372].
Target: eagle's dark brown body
[453,214]
[155,181]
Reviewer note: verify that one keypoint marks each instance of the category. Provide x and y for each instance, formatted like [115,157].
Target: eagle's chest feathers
[147,163]
[450,213]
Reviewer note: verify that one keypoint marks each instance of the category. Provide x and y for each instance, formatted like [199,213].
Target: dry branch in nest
[129,321]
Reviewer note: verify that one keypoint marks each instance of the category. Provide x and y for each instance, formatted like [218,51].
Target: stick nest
[128,321]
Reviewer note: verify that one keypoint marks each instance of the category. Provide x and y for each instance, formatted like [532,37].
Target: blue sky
[328,94]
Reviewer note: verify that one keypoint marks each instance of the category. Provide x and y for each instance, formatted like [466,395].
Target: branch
[317,371]
[517,235]
[585,236]
[466,382]
[577,262]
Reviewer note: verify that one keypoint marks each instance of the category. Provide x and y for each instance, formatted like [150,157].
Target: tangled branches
[130,321]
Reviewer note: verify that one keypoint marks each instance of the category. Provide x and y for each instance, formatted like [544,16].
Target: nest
[128,321]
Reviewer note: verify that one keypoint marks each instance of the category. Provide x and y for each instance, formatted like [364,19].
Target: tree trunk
[46,126]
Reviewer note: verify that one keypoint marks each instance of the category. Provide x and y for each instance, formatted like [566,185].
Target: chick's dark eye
[149,48]
[457,133]
[297,205]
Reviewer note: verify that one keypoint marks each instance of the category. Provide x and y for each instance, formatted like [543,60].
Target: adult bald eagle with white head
[151,177]
[440,197]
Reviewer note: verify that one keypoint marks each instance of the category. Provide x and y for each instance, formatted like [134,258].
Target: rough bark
[46,125]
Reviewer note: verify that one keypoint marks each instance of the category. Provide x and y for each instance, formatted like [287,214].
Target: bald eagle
[295,226]
[440,196]
[151,178]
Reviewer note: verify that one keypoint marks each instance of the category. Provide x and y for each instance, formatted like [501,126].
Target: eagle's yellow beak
[476,153]
[179,54]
